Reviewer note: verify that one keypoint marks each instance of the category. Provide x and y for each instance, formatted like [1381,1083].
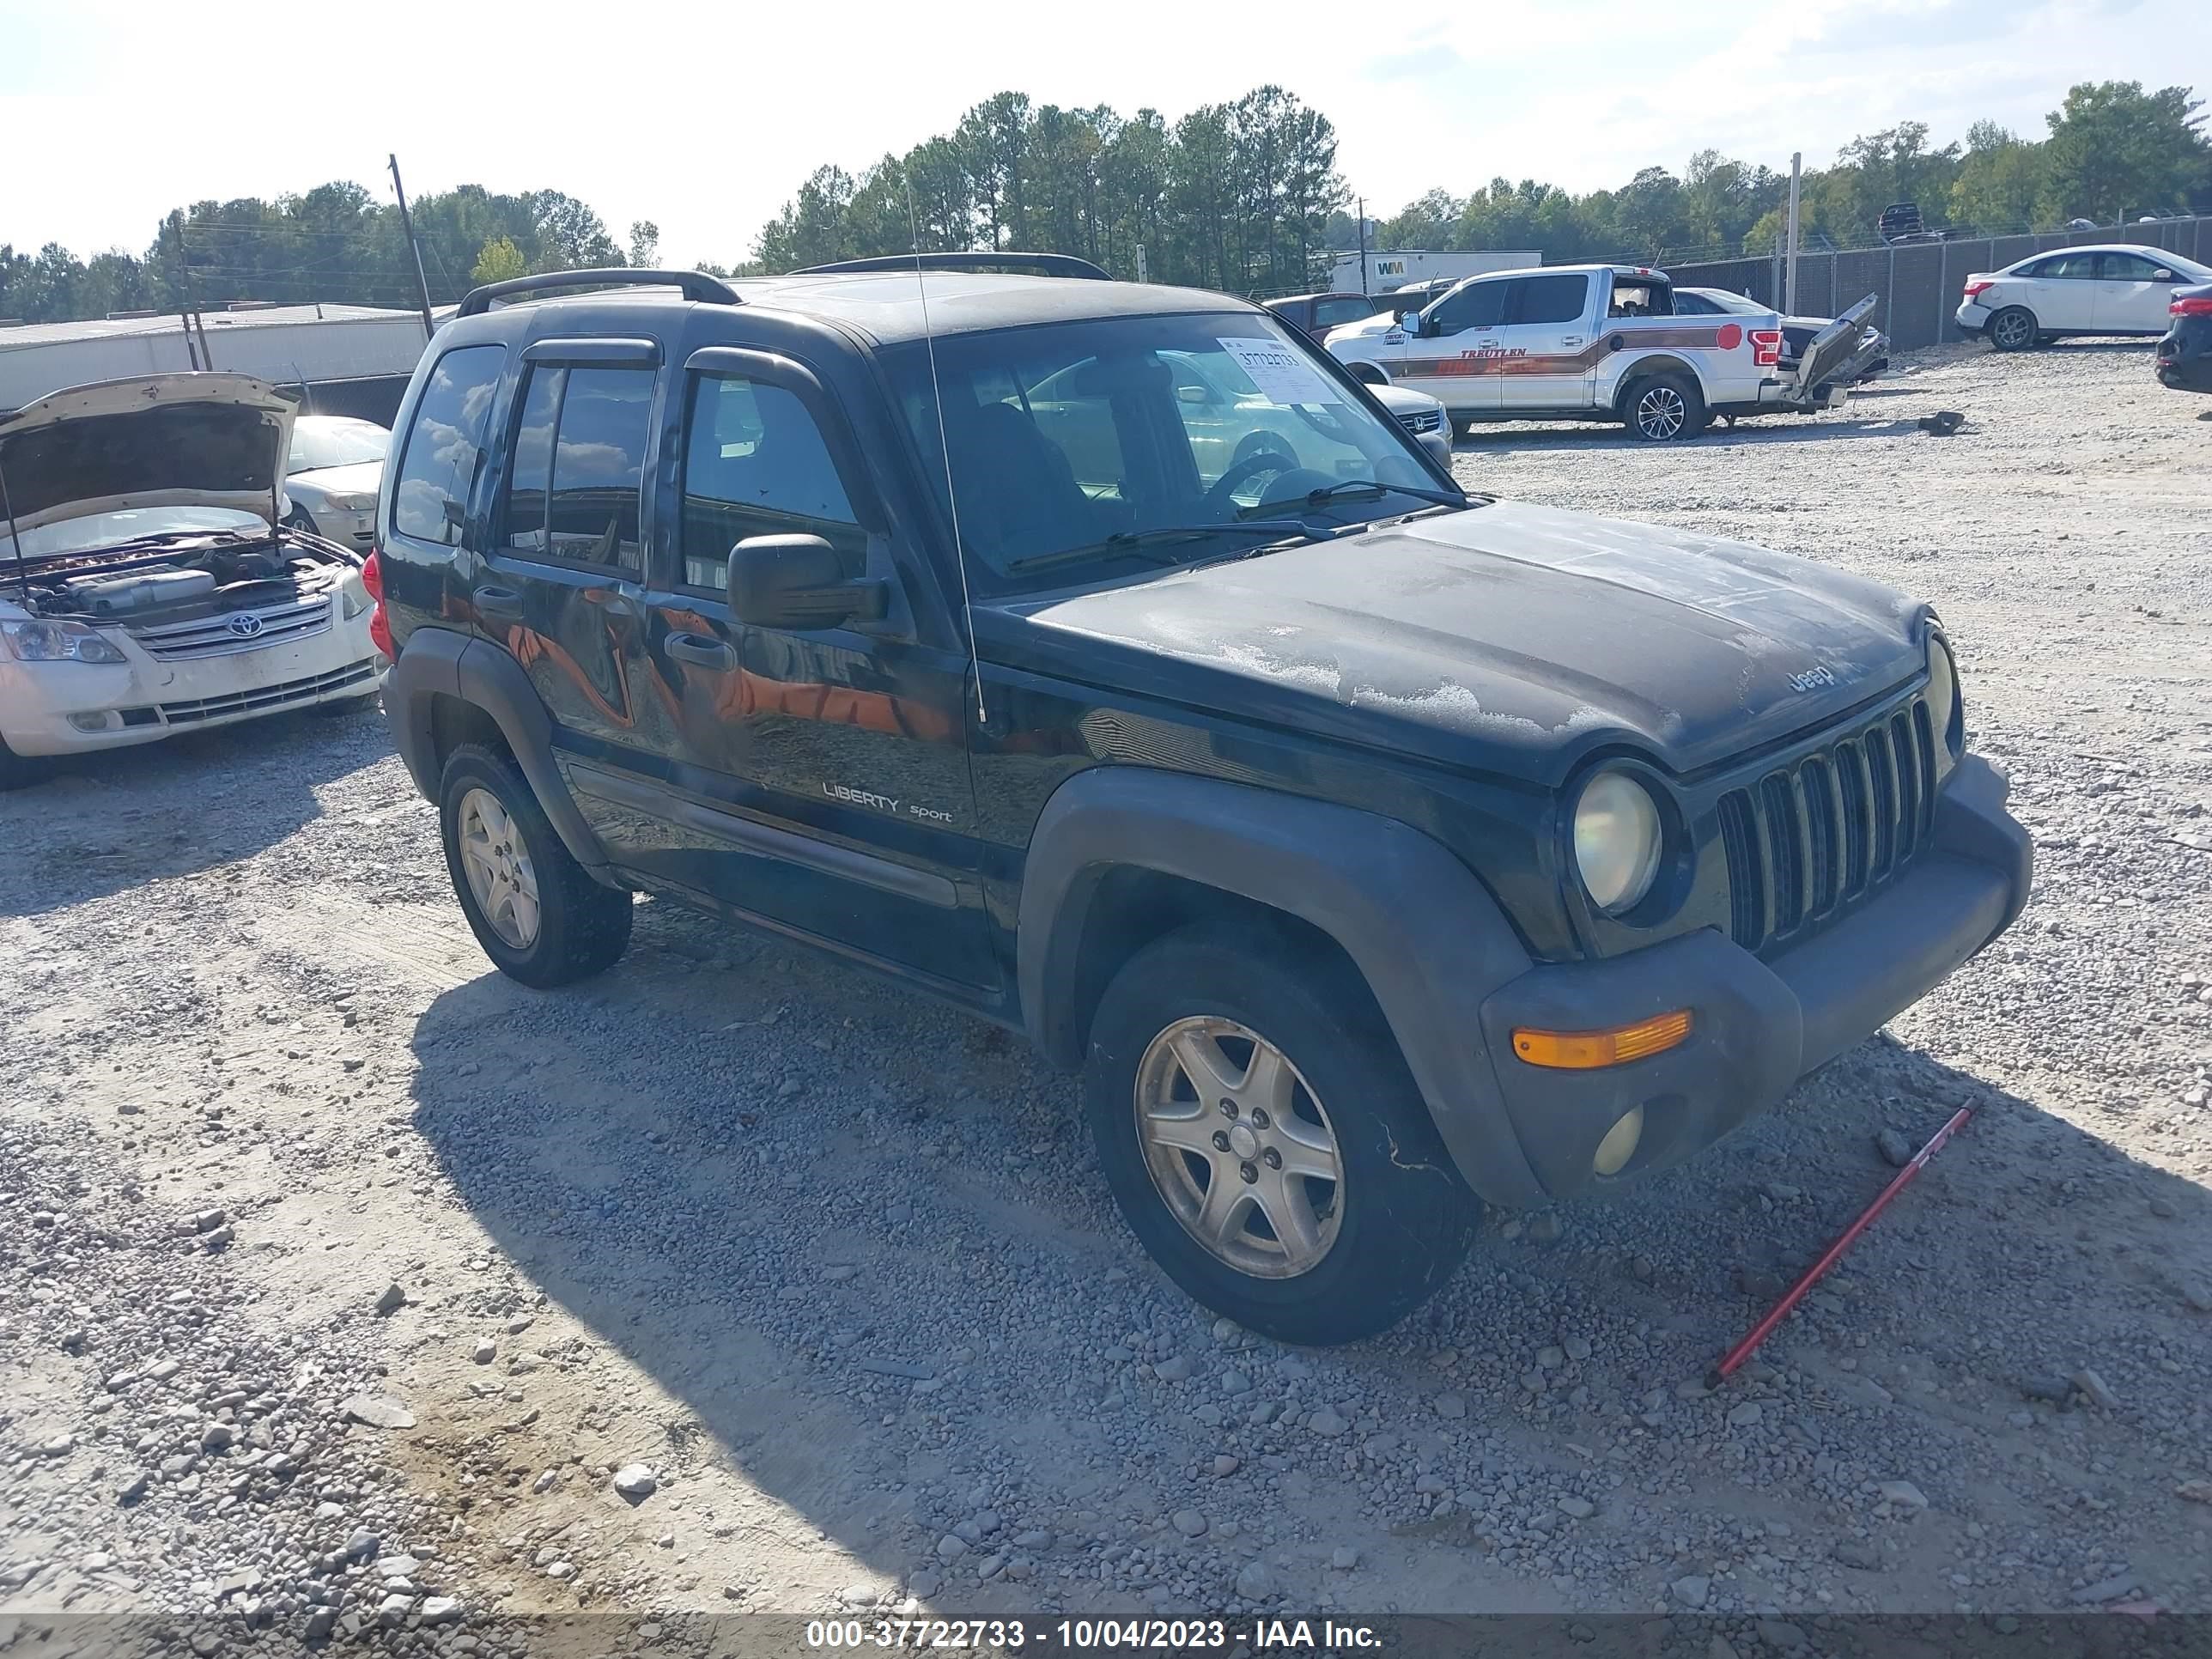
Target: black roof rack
[1041,265]
[696,286]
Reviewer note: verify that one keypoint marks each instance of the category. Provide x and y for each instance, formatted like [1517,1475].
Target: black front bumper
[1756,1026]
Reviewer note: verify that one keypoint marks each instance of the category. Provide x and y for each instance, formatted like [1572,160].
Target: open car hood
[205,439]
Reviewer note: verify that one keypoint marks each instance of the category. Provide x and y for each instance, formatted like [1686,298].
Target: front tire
[17,771]
[2014,329]
[1664,408]
[540,918]
[1323,1208]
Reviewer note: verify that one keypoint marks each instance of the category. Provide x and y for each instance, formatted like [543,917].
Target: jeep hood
[156,441]
[1509,638]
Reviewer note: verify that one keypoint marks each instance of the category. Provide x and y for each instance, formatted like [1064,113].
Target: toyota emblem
[243,623]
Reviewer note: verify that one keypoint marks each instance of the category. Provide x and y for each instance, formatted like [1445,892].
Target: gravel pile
[344,1282]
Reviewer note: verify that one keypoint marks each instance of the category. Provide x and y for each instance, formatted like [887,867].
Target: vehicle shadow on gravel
[97,824]
[1765,431]
[840,1225]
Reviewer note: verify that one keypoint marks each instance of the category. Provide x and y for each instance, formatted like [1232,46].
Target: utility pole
[1360,204]
[1790,271]
[407,224]
[1141,262]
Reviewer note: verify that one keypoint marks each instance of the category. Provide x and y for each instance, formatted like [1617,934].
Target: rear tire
[540,918]
[1664,408]
[1357,1252]
[2014,329]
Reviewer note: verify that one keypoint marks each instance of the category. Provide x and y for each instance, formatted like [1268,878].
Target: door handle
[699,651]
[1570,339]
[498,603]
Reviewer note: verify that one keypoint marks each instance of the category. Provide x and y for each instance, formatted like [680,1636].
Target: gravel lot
[341,1280]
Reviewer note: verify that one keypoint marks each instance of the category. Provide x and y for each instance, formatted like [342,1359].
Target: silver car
[332,475]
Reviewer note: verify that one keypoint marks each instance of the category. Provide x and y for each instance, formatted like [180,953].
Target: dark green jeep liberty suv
[1102,659]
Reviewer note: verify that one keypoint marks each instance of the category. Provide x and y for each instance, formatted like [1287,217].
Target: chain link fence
[1919,285]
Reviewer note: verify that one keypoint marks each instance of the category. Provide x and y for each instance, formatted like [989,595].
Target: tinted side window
[754,464]
[2079,267]
[532,468]
[1481,305]
[1694,305]
[599,464]
[1550,299]
[2126,267]
[445,443]
[1334,313]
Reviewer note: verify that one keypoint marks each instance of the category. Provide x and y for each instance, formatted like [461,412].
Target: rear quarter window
[445,445]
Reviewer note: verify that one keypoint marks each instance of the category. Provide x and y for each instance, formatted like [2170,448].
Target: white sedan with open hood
[147,583]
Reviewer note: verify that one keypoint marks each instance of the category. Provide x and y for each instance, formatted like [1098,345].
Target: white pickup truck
[1593,343]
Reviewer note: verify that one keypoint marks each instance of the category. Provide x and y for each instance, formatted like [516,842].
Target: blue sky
[705,120]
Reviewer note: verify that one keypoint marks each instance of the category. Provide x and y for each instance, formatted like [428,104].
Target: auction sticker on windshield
[1282,375]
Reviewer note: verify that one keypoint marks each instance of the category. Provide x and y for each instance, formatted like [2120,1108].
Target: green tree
[2114,148]
[499,261]
[1998,182]
[644,243]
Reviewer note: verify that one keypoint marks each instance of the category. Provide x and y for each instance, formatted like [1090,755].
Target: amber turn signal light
[1583,1051]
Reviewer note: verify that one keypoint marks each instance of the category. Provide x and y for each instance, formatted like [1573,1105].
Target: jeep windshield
[1083,450]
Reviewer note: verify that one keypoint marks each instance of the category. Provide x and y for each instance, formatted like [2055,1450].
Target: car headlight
[1945,705]
[355,503]
[353,598]
[36,639]
[1617,841]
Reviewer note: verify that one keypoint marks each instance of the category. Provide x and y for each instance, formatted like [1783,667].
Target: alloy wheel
[1661,412]
[1239,1147]
[497,863]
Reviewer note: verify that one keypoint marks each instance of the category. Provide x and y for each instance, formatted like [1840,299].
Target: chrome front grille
[235,630]
[1426,420]
[1811,841]
[270,696]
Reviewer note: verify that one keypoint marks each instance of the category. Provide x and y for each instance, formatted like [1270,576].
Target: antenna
[944,448]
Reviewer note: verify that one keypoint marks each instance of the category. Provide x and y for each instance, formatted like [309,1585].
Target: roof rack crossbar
[697,286]
[1042,265]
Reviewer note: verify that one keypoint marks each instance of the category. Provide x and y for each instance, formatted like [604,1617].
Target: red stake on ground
[1833,1253]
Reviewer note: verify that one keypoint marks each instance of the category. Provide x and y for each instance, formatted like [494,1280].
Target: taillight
[1979,285]
[1766,347]
[2196,307]
[379,625]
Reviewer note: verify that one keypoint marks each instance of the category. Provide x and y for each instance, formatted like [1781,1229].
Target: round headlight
[1617,841]
[1944,708]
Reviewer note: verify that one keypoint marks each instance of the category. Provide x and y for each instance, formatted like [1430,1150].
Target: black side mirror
[797,581]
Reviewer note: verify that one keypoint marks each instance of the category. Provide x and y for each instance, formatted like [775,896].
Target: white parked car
[145,585]
[331,473]
[2116,288]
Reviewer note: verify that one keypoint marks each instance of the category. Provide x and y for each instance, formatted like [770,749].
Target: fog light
[93,722]
[1579,1051]
[1620,1143]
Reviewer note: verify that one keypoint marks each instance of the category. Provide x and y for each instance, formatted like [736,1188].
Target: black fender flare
[1423,930]
[438,662]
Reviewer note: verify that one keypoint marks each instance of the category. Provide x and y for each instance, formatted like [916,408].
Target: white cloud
[706,121]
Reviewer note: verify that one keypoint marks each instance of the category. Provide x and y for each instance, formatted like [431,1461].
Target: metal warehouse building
[351,359]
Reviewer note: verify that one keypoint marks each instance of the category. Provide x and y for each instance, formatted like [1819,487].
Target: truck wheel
[538,916]
[1664,408]
[1265,1141]
[2013,329]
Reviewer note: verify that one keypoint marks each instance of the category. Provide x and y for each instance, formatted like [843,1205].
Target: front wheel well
[1368,374]
[1129,906]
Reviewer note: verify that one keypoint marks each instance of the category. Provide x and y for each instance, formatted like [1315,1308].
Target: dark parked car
[2184,355]
[1317,313]
[1374,850]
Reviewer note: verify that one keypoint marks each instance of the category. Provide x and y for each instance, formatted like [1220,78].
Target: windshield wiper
[1376,488]
[1128,541]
